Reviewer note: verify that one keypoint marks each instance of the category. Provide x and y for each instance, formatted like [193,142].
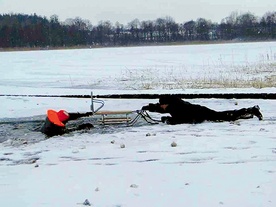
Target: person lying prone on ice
[185,112]
[55,122]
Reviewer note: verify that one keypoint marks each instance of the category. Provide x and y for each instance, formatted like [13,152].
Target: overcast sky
[125,11]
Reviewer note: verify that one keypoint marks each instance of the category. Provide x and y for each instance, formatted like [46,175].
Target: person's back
[183,111]
[50,129]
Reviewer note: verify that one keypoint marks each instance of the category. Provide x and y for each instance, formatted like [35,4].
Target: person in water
[184,112]
[56,120]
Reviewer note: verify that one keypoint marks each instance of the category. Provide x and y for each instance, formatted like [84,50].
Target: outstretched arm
[154,108]
[73,116]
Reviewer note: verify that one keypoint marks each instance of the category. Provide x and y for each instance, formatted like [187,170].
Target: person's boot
[255,110]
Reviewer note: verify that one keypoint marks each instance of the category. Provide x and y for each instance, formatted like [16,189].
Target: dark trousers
[230,115]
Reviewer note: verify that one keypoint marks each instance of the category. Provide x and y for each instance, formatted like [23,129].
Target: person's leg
[232,115]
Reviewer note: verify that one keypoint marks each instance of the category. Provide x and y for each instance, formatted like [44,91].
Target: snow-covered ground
[213,164]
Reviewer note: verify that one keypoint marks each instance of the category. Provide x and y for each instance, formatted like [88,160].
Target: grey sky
[125,11]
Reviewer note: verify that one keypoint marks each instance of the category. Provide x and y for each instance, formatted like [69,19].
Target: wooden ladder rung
[112,112]
[115,120]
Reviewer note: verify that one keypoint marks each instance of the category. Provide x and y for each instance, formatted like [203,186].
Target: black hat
[168,99]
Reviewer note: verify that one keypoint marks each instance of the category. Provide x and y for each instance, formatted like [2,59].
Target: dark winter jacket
[180,111]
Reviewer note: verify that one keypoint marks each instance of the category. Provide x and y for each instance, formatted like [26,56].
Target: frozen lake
[135,67]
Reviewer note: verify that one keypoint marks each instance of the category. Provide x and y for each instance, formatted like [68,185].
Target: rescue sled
[128,118]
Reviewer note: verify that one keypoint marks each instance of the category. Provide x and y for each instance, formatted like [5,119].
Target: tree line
[21,30]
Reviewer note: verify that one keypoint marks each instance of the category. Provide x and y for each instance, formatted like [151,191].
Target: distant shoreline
[134,45]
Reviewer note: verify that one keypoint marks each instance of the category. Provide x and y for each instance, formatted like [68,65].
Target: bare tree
[134,28]
[147,28]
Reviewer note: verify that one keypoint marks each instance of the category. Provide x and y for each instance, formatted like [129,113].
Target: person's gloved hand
[88,113]
[85,126]
[165,119]
[151,107]
[145,107]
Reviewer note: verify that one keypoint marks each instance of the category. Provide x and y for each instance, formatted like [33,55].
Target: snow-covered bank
[213,164]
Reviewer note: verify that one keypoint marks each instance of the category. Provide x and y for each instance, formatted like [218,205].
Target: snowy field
[212,164]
